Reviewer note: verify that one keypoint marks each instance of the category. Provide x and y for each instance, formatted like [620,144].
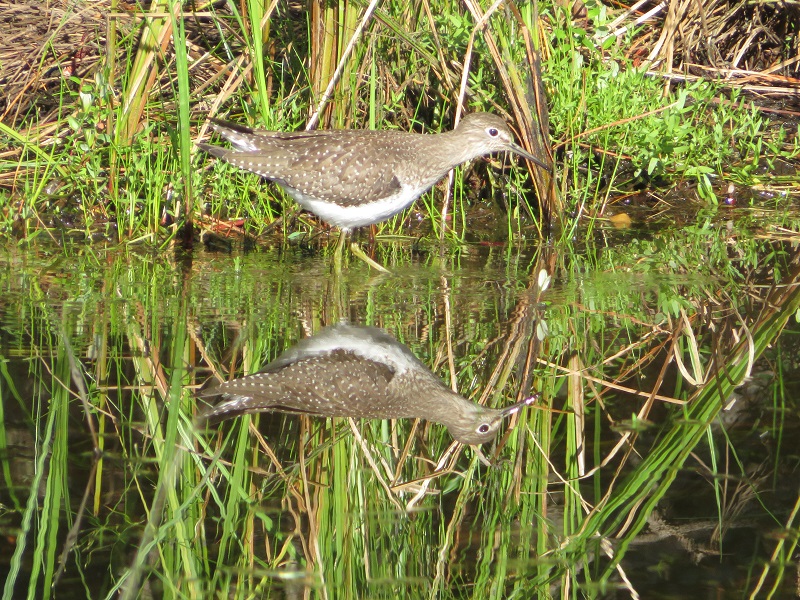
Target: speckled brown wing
[345,172]
[337,384]
[334,166]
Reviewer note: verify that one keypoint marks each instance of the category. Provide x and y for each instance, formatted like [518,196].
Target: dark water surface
[661,458]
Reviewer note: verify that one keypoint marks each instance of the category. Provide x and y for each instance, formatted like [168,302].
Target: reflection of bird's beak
[514,408]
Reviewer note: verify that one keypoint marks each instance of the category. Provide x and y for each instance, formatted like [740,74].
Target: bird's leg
[337,254]
[356,249]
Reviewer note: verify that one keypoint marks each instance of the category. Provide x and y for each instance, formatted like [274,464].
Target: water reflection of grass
[286,502]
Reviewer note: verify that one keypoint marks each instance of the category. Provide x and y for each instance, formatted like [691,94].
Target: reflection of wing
[368,343]
[335,384]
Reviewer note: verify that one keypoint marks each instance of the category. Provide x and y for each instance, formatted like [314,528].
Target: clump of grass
[413,67]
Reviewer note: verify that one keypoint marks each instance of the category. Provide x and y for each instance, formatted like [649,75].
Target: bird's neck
[441,404]
[455,150]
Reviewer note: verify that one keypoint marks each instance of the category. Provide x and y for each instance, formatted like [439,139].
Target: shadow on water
[659,460]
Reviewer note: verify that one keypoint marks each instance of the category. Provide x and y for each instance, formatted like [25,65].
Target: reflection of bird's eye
[484,428]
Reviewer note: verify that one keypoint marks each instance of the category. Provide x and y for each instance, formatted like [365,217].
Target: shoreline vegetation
[103,105]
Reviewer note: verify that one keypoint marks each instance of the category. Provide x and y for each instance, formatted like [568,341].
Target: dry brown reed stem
[310,512]
[42,44]
[523,89]
[710,38]
[326,95]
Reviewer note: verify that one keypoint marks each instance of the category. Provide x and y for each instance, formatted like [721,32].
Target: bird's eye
[484,428]
[493,132]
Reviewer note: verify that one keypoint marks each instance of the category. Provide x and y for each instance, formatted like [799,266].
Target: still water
[659,460]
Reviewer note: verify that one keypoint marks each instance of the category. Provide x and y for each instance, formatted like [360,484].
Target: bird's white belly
[350,217]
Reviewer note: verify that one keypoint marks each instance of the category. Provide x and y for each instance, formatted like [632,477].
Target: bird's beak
[515,408]
[516,148]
